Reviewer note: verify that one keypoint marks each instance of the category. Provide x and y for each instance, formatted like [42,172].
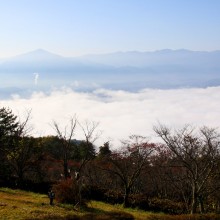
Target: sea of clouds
[120,113]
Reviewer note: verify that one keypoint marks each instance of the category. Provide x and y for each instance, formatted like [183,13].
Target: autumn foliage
[181,174]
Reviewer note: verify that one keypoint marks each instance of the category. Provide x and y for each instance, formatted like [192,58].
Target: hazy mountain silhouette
[121,70]
[162,58]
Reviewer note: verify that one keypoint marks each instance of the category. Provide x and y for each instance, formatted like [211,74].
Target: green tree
[104,151]
[22,158]
[16,146]
[21,153]
[8,127]
[86,150]
[51,145]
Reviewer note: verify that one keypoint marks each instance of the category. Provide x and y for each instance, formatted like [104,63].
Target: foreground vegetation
[179,176]
[18,204]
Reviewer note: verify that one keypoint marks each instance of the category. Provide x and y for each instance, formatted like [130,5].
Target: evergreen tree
[8,125]
[104,151]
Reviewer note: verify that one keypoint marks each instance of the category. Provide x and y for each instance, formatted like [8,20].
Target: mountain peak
[41,52]
[37,55]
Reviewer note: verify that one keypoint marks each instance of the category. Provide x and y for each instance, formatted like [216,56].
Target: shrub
[70,191]
[113,197]
[185,217]
[166,206]
[105,195]
[139,201]
[97,193]
[108,216]
[116,197]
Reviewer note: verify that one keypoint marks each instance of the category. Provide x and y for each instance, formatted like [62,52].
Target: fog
[120,113]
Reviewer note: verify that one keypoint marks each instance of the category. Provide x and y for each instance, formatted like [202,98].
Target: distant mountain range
[121,70]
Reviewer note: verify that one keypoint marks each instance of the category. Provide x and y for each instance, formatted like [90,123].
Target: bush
[113,197]
[96,193]
[138,201]
[166,206]
[70,191]
[105,195]
[116,197]
[108,216]
[184,217]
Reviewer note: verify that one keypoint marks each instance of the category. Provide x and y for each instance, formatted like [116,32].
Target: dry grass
[17,204]
[107,208]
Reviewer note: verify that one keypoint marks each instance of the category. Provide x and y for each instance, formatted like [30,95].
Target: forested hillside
[179,175]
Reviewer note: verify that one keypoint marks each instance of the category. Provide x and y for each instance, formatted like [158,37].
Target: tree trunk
[194,201]
[201,205]
[20,178]
[126,195]
[65,169]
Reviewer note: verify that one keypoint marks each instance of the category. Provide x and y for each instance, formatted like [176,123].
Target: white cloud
[122,113]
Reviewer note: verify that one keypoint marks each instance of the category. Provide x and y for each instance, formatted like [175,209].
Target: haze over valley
[130,71]
[127,92]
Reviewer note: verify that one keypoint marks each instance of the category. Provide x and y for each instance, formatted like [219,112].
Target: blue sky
[77,27]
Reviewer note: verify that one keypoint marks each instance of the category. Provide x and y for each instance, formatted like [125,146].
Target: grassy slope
[17,204]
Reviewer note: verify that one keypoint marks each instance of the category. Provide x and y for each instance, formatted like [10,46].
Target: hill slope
[21,205]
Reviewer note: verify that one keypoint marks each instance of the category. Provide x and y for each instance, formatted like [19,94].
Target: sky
[78,27]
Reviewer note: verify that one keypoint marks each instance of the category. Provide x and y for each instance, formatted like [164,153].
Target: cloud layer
[120,113]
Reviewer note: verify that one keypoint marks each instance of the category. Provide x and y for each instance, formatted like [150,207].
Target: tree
[8,126]
[66,141]
[21,154]
[90,132]
[104,151]
[197,154]
[22,158]
[128,163]
[89,129]
[17,147]
[86,150]
[51,146]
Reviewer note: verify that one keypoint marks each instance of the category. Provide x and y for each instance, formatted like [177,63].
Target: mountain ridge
[41,50]
[132,70]
[119,59]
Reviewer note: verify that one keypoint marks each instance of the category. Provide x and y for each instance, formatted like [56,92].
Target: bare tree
[128,163]
[91,134]
[24,127]
[197,153]
[66,136]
